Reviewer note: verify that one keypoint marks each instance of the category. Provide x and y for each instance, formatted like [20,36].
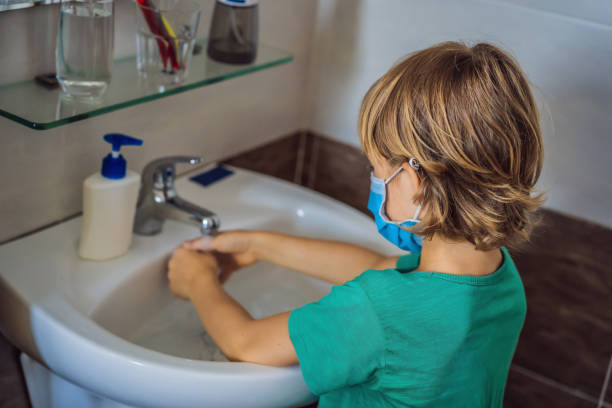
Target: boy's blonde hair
[469,118]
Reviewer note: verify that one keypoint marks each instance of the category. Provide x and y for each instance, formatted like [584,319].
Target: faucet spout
[182,210]
[158,200]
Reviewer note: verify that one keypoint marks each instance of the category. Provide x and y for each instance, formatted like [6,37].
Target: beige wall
[340,47]
[565,46]
[42,171]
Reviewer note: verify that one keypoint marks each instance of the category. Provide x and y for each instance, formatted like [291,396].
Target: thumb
[199,244]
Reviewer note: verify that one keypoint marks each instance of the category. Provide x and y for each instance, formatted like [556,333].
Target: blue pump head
[113,165]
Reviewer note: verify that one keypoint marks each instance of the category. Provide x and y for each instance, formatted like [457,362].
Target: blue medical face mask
[389,229]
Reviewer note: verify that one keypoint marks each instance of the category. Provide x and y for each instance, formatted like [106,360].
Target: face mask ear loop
[393,175]
[416,214]
[414,163]
[382,210]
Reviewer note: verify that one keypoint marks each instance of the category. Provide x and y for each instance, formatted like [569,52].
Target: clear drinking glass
[84,51]
[165,39]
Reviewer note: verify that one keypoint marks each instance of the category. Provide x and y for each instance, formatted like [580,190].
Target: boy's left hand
[187,267]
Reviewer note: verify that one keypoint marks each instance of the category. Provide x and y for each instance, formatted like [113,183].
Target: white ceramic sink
[114,332]
[159,321]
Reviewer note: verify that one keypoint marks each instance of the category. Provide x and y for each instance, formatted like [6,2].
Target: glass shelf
[37,107]
[6,5]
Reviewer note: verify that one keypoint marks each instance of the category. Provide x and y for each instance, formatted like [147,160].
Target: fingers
[227,242]
[175,254]
[199,244]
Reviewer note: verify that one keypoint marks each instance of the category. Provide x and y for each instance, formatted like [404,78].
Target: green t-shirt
[396,338]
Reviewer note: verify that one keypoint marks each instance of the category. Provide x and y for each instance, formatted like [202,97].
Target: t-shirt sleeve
[338,339]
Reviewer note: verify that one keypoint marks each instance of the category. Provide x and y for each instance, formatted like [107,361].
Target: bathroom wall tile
[303,157]
[597,11]
[568,283]
[351,50]
[523,391]
[338,170]
[307,152]
[278,158]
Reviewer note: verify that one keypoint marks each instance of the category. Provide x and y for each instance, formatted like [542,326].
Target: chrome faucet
[158,200]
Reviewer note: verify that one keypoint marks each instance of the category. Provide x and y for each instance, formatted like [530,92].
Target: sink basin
[111,334]
[159,321]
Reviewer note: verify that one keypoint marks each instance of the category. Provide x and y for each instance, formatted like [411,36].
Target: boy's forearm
[332,261]
[225,320]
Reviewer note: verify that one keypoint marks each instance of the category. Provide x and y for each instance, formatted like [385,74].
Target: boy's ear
[415,180]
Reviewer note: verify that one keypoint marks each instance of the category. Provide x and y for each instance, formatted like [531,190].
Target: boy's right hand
[233,249]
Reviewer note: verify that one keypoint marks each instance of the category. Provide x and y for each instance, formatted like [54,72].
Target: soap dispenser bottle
[109,204]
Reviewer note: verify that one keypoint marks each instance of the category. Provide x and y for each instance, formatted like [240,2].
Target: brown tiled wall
[565,348]
[324,165]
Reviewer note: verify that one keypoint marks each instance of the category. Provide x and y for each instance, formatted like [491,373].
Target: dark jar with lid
[234,31]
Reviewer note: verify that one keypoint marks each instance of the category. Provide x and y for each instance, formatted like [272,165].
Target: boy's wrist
[257,244]
[203,284]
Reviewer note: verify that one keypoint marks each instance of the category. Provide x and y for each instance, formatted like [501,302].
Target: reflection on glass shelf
[40,108]
[6,5]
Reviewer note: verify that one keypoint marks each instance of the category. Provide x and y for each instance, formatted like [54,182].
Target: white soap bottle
[109,204]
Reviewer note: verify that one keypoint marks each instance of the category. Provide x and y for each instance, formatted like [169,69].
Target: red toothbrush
[155,23]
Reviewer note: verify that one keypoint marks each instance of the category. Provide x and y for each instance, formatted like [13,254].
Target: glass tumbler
[84,50]
[165,38]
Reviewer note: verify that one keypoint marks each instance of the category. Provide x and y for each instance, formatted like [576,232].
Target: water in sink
[177,330]
[144,311]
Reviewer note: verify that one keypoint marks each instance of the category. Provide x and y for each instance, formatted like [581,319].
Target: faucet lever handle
[161,170]
[170,160]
